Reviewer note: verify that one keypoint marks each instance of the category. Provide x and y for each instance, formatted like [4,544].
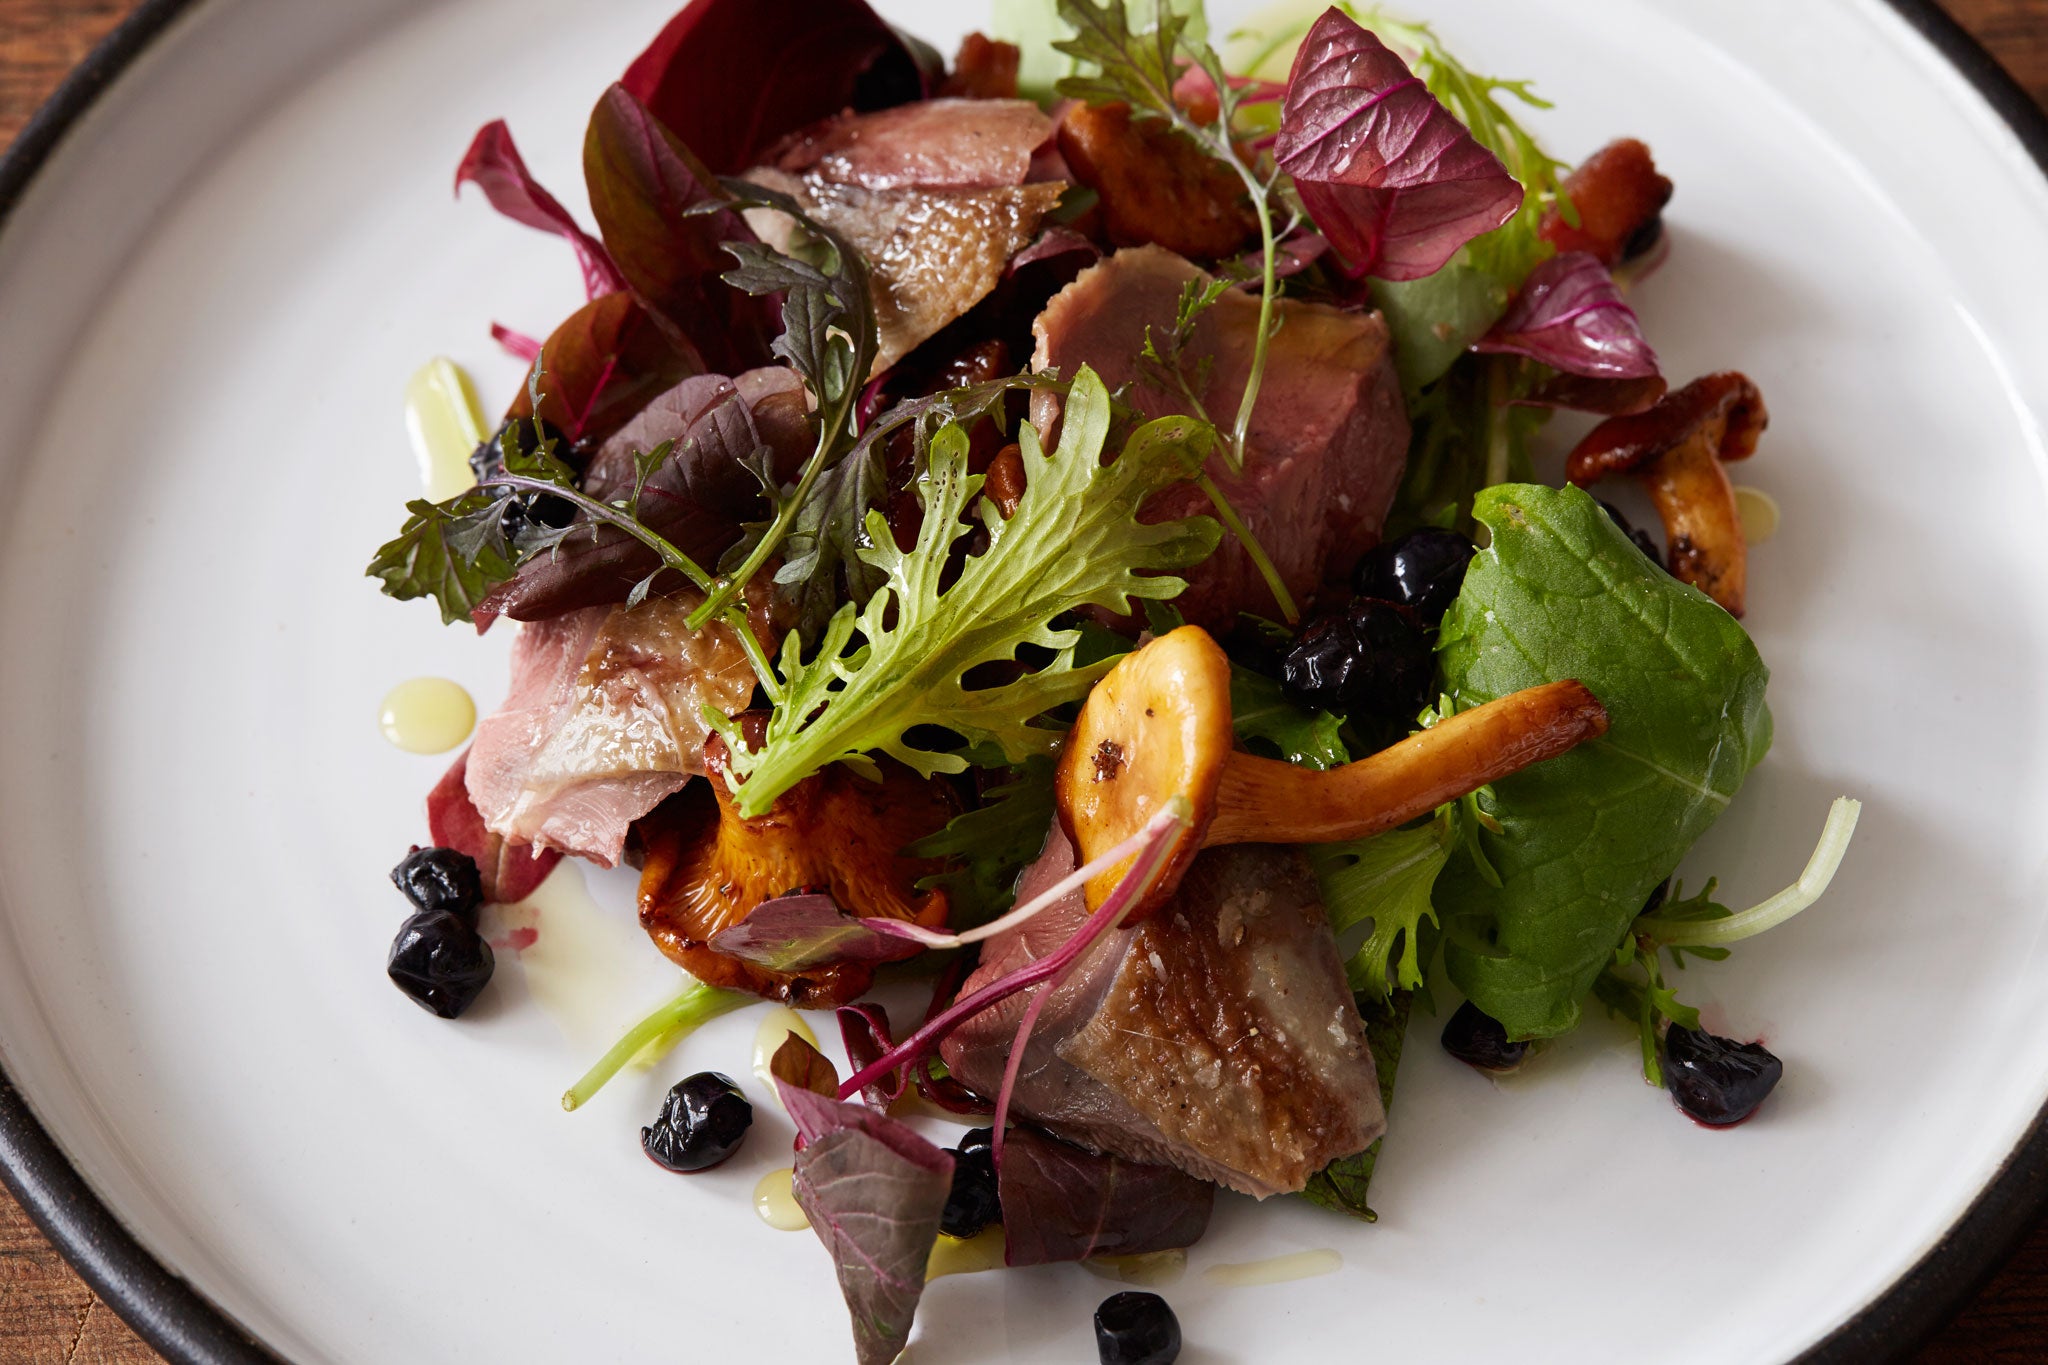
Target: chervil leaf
[1134,68]
[1074,541]
[991,845]
[454,552]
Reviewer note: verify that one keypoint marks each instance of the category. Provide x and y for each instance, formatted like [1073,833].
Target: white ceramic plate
[209,301]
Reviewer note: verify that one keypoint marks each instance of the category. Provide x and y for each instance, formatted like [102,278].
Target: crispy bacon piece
[707,868]
[984,70]
[1619,198]
[1156,185]
[1676,450]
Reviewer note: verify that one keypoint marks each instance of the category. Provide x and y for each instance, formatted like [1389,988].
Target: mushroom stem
[1264,801]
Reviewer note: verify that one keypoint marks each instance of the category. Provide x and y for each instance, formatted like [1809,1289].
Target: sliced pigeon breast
[933,195]
[1329,437]
[605,721]
[941,144]
[1219,1036]
[931,254]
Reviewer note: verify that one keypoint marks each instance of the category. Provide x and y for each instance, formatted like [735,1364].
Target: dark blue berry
[1136,1328]
[975,1201]
[1717,1081]
[525,510]
[441,961]
[1478,1039]
[1421,571]
[703,1121]
[1640,537]
[1368,659]
[977,1138]
[441,879]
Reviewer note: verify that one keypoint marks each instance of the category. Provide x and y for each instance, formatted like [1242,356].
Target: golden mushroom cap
[1157,726]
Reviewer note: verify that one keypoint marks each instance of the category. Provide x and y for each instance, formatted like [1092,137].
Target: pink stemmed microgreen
[1160,835]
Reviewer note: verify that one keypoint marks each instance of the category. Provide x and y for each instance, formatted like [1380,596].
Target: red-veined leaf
[1392,179]
[493,164]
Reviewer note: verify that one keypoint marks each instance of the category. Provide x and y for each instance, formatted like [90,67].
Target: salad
[1076,509]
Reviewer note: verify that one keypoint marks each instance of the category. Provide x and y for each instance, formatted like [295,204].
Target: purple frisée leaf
[493,164]
[1063,1204]
[731,85]
[649,195]
[1392,179]
[864,1028]
[796,1063]
[1571,317]
[797,933]
[873,1191]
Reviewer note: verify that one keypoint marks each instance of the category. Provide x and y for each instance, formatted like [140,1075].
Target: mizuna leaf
[1392,179]
[731,85]
[1074,540]
[493,164]
[873,1191]
[1562,593]
[454,552]
[650,197]
[1387,881]
[1570,317]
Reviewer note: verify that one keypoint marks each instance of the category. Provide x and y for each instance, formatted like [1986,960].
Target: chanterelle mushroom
[1158,726]
[1676,450]
[707,868]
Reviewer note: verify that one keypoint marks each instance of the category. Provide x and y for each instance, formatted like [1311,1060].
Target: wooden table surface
[49,1317]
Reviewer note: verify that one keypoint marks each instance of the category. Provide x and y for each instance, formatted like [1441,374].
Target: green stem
[1499,450]
[1251,545]
[698,1004]
[1774,911]
[764,668]
[832,423]
[1268,286]
[670,556]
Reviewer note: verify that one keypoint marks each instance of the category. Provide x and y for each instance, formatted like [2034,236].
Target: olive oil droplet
[1759,513]
[965,1255]
[427,715]
[775,1201]
[1300,1265]
[445,424]
[777,1025]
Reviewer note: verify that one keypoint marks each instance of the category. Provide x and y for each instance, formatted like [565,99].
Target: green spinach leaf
[1561,593]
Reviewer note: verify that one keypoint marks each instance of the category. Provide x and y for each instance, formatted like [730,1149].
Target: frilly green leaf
[901,662]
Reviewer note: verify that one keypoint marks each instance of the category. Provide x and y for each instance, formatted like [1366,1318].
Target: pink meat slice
[942,144]
[604,722]
[509,872]
[1328,440]
[933,195]
[1219,1036]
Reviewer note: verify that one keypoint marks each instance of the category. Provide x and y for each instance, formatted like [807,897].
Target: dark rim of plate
[188,1330]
